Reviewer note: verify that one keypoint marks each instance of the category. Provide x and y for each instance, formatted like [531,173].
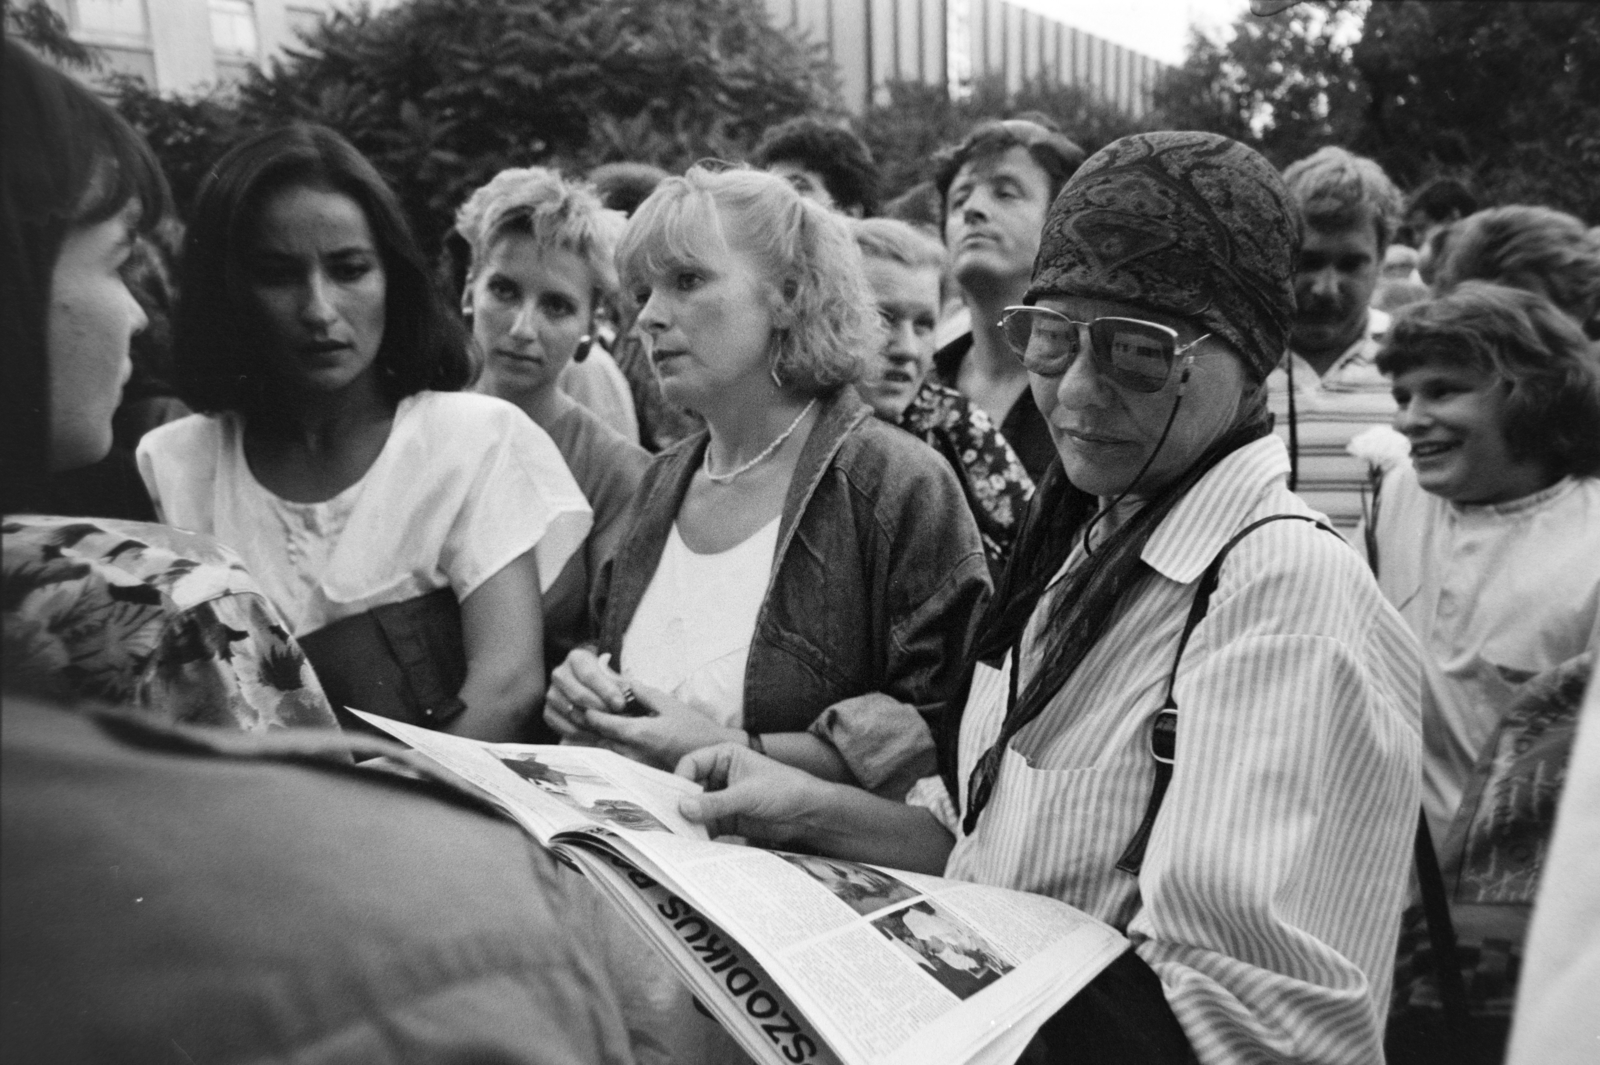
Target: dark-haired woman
[407,530]
[118,612]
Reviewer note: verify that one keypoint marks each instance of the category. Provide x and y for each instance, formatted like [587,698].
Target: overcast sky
[1158,28]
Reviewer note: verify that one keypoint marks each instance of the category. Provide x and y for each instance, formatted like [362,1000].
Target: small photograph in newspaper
[861,887]
[587,793]
[945,947]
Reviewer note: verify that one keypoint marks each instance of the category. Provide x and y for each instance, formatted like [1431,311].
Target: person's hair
[839,157]
[1535,248]
[1442,199]
[624,186]
[887,238]
[1552,413]
[556,213]
[1052,150]
[1335,188]
[824,311]
[918,206]
[68,162]
[216,366]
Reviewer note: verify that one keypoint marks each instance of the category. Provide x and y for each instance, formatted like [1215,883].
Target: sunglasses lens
[1135,355]
[1044,341]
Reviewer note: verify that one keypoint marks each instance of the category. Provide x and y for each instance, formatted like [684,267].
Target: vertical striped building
[954,42]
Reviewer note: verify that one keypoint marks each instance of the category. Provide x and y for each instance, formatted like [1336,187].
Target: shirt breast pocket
[1058,832]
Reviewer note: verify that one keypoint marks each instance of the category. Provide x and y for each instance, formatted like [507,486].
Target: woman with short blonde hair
[542,265]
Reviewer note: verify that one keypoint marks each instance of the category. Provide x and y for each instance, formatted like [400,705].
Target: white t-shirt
[464,485]
[1496,593]
[691,635]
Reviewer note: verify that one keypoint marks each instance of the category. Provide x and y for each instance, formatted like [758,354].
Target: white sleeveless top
[691,635]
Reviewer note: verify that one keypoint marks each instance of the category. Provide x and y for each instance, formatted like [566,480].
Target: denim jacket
[878,576]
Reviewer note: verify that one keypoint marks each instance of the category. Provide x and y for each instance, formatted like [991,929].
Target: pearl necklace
[724,478]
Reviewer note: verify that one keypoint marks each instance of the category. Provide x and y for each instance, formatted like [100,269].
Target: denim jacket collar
[840,413]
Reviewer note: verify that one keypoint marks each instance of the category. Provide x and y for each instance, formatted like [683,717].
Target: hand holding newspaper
[801,958]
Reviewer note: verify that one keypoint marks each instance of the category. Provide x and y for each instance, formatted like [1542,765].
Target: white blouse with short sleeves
[464,485]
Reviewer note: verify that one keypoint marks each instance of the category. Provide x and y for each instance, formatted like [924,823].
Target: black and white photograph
[1140,456]
[587,793]
[944,947]
[864,889]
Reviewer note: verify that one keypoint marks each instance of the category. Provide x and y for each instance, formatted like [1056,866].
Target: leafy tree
[1285,85]
[1506,95]
[907,131]
[187,133]
[39,26]
[441,94]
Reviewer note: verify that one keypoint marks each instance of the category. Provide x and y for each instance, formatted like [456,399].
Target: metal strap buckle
[1164,736]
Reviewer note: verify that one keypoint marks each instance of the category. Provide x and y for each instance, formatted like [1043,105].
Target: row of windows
[233,23]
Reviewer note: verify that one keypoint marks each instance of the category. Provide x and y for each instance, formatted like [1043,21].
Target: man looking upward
[1328,388]
[997,186]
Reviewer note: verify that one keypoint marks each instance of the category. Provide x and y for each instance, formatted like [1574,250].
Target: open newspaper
[802,959]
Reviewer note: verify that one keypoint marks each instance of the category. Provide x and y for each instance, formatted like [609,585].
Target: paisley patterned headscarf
[1193,224]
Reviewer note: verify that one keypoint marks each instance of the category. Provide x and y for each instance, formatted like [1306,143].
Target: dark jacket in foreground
[173,895]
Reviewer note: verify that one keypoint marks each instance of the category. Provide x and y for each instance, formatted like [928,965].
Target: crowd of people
[1214,549]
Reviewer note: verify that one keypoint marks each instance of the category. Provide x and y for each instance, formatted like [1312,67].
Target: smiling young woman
[406,530]
[1486,541]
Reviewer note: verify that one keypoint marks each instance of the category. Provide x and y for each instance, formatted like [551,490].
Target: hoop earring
[772,362]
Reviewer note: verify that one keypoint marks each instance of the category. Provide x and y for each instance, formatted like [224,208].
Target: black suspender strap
[1442,938]
[1294,424]
[1164,725]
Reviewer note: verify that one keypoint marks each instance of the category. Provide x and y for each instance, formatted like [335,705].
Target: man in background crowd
[997,186]
[1432,210]
[823,162]
[1328,388]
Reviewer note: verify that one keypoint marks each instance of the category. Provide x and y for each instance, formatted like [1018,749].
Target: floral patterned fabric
[147,615]
[996,485]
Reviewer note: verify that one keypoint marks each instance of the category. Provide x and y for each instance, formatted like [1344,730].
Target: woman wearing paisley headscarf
[1166,584]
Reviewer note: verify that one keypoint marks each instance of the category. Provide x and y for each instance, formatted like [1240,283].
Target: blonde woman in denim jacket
[800,577]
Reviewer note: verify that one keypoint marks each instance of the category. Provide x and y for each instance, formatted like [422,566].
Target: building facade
[955,42]
[184,45]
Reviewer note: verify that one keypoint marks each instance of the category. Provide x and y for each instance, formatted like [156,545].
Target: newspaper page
[547,789]
[885,967]
[891,967]
[730,986]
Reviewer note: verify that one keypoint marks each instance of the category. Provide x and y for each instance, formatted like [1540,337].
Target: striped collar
[1216,508]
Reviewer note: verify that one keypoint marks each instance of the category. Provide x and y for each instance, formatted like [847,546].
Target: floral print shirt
[996,485]
[133,613]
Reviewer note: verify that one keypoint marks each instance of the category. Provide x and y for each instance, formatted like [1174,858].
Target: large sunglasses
[1135,354]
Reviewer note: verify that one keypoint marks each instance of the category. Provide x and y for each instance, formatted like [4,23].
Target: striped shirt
[1329,410]
[1270,894]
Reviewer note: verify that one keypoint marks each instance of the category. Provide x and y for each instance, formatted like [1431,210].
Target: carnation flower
[1381,448]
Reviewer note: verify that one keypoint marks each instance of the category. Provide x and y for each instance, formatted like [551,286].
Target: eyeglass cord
[1088,550]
